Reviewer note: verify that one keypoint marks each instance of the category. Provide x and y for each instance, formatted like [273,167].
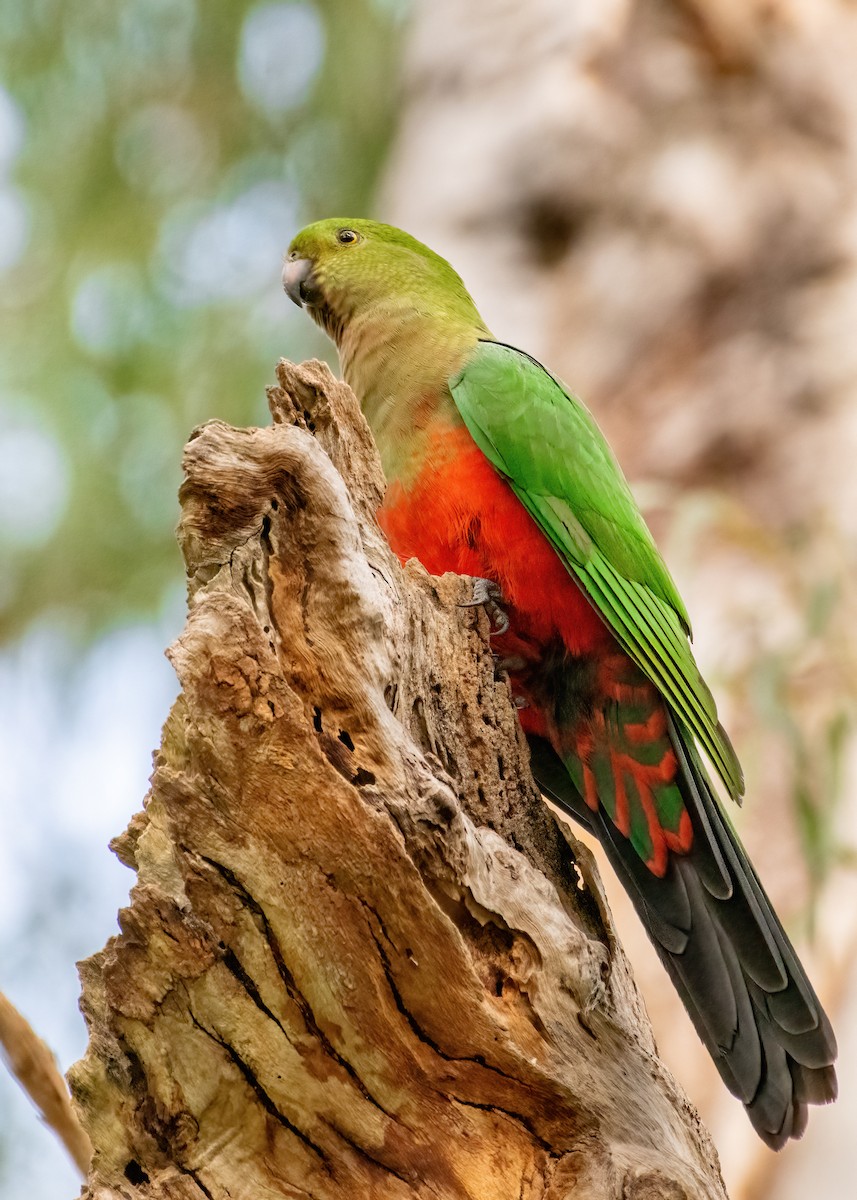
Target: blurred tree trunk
[659,198]
[357,961]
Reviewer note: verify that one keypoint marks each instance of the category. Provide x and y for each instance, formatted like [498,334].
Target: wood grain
[359,959]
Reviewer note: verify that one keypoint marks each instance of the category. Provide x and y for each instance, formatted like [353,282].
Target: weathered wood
[358,960]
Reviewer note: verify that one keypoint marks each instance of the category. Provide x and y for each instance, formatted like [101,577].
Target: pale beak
[297,279]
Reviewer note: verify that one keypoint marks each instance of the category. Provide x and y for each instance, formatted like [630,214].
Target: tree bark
[359,960]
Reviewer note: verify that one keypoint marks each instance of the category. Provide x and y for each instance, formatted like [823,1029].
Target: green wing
[546,443]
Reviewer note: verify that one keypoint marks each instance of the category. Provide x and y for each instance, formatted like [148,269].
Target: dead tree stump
[359,961]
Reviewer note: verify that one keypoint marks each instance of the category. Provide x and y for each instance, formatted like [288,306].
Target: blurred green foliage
[792,685]
[156,156]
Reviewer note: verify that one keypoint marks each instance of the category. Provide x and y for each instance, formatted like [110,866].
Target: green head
[345,268]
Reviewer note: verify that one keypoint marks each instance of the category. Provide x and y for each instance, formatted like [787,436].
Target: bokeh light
[156,157]
[281,51]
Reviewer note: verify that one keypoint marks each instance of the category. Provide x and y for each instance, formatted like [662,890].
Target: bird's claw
[488,594]
[506,664]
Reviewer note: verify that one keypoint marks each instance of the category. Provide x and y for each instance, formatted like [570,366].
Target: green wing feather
[546,443]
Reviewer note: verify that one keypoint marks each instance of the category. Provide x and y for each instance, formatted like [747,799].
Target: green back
[546,443]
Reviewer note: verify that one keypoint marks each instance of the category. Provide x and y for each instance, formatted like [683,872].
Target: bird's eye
[346,236]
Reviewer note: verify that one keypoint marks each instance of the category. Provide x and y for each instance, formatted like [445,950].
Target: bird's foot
[487,593]
[507,664]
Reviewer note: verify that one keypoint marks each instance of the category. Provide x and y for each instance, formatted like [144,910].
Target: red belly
[460,515]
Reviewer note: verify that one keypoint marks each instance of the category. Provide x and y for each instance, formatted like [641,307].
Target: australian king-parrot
[496,470]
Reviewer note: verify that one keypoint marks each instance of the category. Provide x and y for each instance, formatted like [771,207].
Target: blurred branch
[35,1068]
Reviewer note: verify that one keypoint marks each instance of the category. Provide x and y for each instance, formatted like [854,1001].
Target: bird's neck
[397,360]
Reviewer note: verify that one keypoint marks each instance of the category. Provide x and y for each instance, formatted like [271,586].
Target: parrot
[496,470]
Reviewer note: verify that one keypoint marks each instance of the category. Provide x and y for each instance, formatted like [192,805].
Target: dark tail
[725,950]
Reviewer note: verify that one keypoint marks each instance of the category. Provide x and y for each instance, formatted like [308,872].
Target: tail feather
[744,1060]
[760,943]
[790,1000]
[775,1112]
[815,1085]
[723,946]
